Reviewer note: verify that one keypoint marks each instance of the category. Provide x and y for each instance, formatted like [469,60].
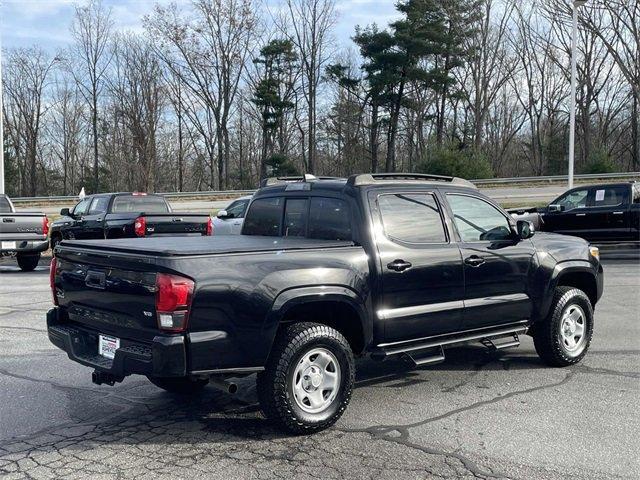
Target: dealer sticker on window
[107,346]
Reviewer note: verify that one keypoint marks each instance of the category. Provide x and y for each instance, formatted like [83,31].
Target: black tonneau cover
[172,246]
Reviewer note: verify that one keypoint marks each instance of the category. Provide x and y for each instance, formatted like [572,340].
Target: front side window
[412,218]
[237,209]
[264,217]
[478,220]
[139,203]
[329,219]
[575,199]
[82,207]
[610,196]
[99,205]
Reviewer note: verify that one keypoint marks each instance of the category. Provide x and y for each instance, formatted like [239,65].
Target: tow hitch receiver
[99,378]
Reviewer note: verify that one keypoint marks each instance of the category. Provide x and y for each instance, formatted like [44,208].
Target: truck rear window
[139,203]
[315,217]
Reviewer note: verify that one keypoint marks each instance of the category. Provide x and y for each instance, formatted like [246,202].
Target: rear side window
[295,217]
[5,206]
[610,196]
[636,193]
[412,218]
[329,219]
[264,217]
[139,203]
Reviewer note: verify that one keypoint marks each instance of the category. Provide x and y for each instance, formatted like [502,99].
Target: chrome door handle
[474,261]
[618,213]
[581,214]
[398,265]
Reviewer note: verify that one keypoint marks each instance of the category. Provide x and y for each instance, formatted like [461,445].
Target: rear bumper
[165,356]
[26,246]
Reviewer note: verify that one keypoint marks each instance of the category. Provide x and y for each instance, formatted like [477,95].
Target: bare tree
[91,30]
[25,84]
[209,54]
[309,25]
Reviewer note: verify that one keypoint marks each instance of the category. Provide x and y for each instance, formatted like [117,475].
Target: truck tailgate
[176,223]
[21,226]
[111,300]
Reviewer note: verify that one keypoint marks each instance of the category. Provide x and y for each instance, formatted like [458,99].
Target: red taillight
[210,226]
[173,301]
[45,226]
[52,279]
[140,227]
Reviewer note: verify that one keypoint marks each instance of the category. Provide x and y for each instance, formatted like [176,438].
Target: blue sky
[46,22]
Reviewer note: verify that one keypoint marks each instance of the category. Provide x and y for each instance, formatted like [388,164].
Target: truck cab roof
[310,183]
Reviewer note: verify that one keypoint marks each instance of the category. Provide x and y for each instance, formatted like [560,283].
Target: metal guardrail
[558,178]
[479,182]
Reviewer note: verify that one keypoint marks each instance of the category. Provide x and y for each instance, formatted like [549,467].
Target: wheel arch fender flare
[560,271]
[294,297]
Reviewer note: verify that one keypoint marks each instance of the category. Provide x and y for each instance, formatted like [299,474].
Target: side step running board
[492,344]
[430,358]
[486,336]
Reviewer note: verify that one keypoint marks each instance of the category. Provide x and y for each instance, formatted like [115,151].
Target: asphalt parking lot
[478,415]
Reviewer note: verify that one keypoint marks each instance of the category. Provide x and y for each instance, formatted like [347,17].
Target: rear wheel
[563,338]
[181,385]
[308,380]
[28,263]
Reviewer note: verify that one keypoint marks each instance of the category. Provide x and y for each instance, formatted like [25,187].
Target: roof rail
[307,177]
[372,178]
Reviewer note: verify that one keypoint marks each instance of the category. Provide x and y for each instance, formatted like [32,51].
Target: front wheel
[180,385]
[309,377]
[28,263]
[563,338]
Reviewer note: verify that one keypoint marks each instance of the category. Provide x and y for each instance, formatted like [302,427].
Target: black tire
[180,385]
[54,241]
[547,338]
[276,383]
[29,262]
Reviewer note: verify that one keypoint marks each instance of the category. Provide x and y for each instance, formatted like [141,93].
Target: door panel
[607,217]
[422,276]
[572,218]
[496,263]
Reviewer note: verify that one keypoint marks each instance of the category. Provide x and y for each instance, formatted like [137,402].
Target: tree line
[216,94]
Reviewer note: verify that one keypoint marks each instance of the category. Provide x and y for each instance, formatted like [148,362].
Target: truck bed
[214,245]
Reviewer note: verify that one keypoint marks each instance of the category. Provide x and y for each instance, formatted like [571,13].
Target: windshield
[139,203]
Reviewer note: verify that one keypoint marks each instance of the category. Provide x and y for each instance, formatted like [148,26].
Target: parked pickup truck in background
[126,215]
[598,213]
[379,264]
[23,234]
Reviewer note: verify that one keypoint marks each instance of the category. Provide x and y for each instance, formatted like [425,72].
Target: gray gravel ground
[478,415]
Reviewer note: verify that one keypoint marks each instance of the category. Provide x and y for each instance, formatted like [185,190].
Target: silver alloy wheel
[316,380]
[572,333]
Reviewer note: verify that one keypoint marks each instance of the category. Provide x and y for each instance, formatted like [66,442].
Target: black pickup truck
[608,213]
[379,264]
[22,234]
[126,215]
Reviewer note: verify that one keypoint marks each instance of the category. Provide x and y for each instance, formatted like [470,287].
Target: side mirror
[525,229]
[65,212]
[222,214]
[555,208]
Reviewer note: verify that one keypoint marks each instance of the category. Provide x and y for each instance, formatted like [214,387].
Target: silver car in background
[229,220]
